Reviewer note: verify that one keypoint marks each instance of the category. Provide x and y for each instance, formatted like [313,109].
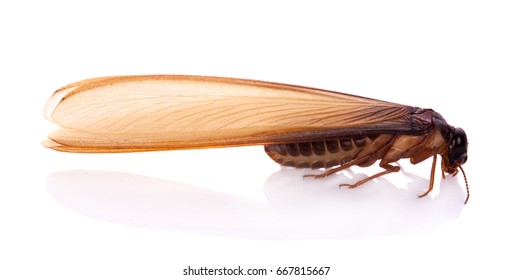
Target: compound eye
[459,140]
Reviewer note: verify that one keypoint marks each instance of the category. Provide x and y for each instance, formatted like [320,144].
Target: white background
[150,215]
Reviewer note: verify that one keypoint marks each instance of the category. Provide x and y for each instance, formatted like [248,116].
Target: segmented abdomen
[328,153]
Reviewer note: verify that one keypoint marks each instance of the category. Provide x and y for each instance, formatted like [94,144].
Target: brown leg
[432,178]
[388,169]
[338,168]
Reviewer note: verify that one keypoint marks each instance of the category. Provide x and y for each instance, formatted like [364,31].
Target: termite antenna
[466,183]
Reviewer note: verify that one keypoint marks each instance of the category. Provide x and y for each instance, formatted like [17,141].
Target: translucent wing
[142,113]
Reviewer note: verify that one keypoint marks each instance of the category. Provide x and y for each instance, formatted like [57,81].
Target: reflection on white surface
[295,208]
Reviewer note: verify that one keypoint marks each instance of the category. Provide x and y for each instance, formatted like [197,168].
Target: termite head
[456,155]
[458,148]
[456,139]
[456,152]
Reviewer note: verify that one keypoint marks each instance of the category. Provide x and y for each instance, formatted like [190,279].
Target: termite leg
[431,179]
[338,168]
[388,169]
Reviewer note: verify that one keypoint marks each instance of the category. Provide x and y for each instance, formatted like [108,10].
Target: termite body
[365,149]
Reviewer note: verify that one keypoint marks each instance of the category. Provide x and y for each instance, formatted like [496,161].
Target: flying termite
[299,126]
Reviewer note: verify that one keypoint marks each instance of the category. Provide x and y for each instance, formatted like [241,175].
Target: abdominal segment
[329,153]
